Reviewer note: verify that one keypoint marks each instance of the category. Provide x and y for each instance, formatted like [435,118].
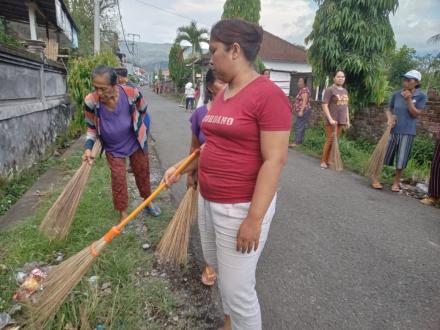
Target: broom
[173,247]
[375,163]
[335,160]
[64,277]
[57,222]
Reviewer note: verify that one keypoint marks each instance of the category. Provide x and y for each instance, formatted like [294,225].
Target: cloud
[413,24]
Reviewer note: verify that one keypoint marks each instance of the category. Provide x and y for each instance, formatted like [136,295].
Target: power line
[166,10]
[122,26]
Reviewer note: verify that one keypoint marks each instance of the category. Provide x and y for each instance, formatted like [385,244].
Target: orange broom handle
[116,230]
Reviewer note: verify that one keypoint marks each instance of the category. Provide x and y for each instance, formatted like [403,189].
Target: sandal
[324,166]
[377,185]
[429,201]
[395,188]
[209,277]
[153,210]
[292,145]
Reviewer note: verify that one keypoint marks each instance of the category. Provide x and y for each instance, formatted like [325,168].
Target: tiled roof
[275,48]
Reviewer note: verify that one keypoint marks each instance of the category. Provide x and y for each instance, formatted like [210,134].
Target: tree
[82,13]
[429,67]
[249,10]
[403,60]
[355,36]
[195,36]
[176,64]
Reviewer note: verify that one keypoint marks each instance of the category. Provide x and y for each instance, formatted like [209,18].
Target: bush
[79,81]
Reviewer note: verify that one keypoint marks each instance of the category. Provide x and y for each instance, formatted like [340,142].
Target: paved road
[339,255]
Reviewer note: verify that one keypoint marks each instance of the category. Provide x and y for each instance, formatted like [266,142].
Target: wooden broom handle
[96,148]
[117,229]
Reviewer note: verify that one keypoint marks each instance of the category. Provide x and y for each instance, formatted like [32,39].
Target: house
[44,25]
[282,58]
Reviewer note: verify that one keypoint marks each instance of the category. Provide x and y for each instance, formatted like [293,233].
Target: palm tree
[195,36]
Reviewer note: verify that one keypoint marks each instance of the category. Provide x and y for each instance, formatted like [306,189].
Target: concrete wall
[34,108]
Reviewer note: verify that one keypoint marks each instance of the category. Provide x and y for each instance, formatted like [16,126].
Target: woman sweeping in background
[303,111]
[213,87]
[116,115]
[247,134]
[434,179]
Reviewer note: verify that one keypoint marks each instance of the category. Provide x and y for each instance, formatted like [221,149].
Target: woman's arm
[305,100]
[169,178]
[274,146]
[327,114]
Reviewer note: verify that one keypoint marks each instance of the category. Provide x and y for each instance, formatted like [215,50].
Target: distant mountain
[150,55]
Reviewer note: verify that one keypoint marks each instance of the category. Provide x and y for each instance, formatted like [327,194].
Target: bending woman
[247,135]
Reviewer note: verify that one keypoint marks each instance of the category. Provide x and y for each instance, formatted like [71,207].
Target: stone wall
[369,122]
[34,108]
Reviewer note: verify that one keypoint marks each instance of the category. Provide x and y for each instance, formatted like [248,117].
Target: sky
[157,20]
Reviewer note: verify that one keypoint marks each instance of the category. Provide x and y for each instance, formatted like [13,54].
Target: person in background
[266,73]
[213,87]
[123,77]
[157,87]
[247,134]
[189,97]
[434,179]
[335,107]
[196,96]
[116,115]
[405,106]
[303,111]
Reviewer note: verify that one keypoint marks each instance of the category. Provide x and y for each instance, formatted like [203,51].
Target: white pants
[218,225]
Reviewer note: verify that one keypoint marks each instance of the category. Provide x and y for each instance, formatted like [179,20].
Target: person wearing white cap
[405,106]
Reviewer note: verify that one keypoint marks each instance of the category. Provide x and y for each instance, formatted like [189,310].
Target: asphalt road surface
[339,255]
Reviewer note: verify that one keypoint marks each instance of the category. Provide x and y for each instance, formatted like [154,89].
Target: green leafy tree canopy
[178,71]
[249,10]
[355,36]
[403,60]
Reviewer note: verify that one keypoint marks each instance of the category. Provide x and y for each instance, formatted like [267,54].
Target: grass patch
[355,154]
[136,301]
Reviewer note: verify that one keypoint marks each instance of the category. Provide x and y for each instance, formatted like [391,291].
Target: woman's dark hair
[337,71]
[249,36]
[209,81]
[304,79]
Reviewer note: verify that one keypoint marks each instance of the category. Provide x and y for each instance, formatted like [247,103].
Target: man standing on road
[123,78]
[405,106]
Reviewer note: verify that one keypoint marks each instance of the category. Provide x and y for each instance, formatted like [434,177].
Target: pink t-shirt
[231,159]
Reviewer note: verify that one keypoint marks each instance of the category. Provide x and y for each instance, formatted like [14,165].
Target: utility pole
[133,35]
[97,32]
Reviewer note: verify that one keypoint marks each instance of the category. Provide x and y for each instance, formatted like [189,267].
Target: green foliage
[429,67]
[123,265]
[401,61]
[194,35]
[355,36]
[4,37]
[259,65]
[133,78]
[179,73]
[249,10]
[79,82]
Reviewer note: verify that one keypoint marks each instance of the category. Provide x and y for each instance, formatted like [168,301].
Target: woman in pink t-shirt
[247,134]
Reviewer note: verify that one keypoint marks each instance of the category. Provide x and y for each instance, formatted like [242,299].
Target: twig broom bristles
[173,247]
[335,160]
[64,277]
[375,163]
[56,224]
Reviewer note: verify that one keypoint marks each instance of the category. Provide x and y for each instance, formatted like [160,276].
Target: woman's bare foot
[208,276]
[292,145]
[395,187]
[227,323]
[324,165]
[376,185]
